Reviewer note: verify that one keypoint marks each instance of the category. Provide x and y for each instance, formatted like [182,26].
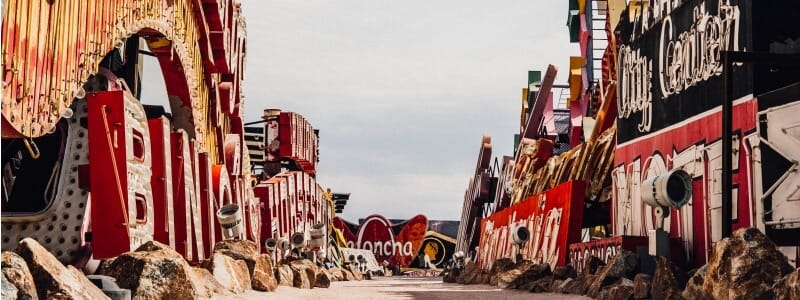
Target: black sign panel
[669,66]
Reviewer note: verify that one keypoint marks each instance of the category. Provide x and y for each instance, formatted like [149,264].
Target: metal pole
[727,144]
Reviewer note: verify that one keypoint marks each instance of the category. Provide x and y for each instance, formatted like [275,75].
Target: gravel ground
[401,288]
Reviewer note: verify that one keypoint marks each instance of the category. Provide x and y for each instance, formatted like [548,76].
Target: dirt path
[403,288]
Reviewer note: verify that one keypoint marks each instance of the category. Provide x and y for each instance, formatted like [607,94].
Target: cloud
[401,90]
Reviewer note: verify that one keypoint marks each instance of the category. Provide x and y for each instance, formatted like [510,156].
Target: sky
[401,91]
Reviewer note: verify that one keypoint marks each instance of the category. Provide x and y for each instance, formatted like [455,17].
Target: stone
[17,274]
[9,291]
[531,274]
[694,287]
[622,290]
[347,275]
[744,266]
[505,280]
[262,276]
[788,287]
[501,265]
[154,271]
[208,285]
[323,279]
[468,273]
[357,275]
[592,265]
[541,285]
[564,272]
[304,273]
[284,275]
[668,281]
[231,273]
[623,265]
[336,274]
[244,248]
[578,286]
[450,275]
[51,278]
[641,286]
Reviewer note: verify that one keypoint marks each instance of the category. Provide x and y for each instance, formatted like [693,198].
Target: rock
[622,290]
[336,274]
[154,271]
[744,266]
[206,283]
[347,275]
[304,273]
[323,279]
[450,275]
[592,265]
[263,277]
[51,278]
[16,272]
[579,285]
[788,287]
[357,275]
[259,265]
[641,286]
[541,285]
[231,273]
[668,281]
[564,272]
[284,275]
[533,273]
[694,287]
[468,274]
[501,265]
[9,291]
[506,279]
[624,265]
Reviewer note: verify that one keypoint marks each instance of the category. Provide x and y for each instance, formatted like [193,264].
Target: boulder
[51,278]
[788,287]
[347,275]
[541,285]
[16,272]
[304,273]
[578,286]
[621,292]
[641,286]
[533,273]
[154,271]
[744,266]
[501,265]
[9,291]
[231,273]
[592,265]
[336,274]
[468,273]
[206,283]
[357,275]
[694,287]
[623,265]
[450,275]
[505,280]
[284,275]
[323,279]
[564,272]
[243,248]
[262,276]
[668,281]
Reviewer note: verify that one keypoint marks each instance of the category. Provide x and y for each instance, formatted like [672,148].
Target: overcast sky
[401,91]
